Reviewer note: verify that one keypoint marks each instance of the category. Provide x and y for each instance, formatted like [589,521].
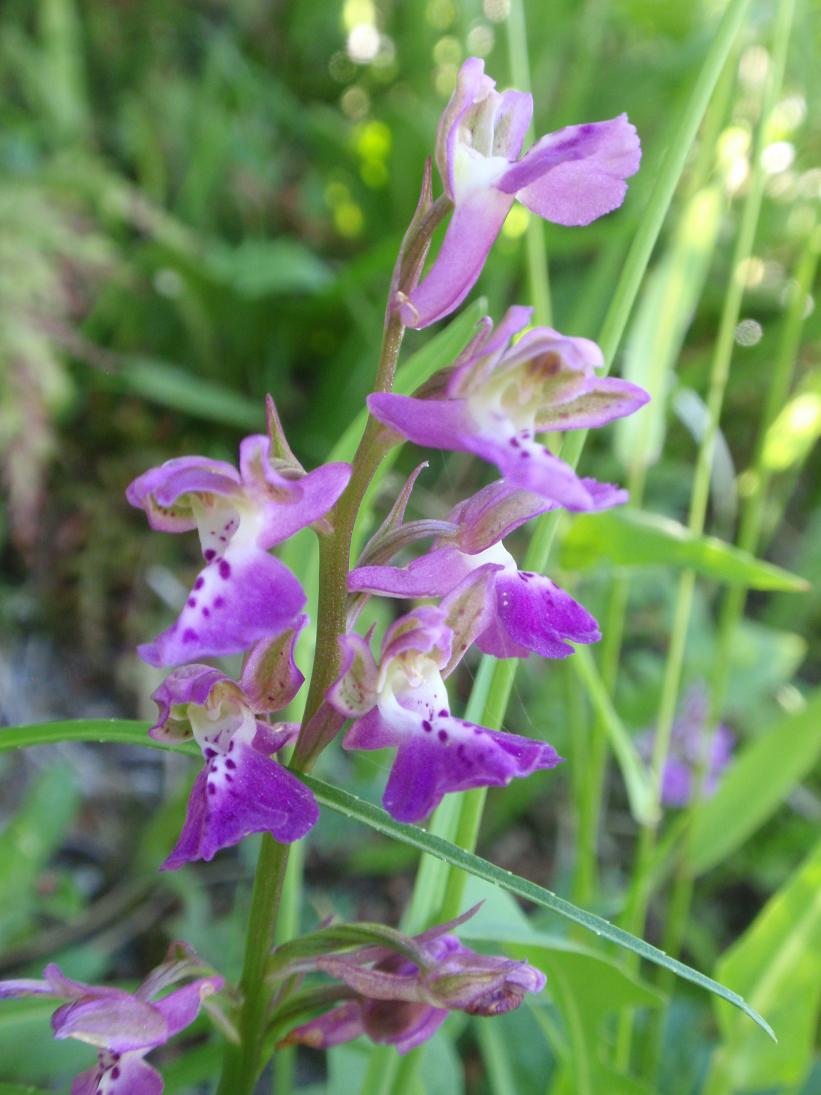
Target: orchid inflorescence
[511,383]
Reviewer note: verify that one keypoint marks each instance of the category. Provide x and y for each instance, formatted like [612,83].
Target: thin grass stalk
[639,894]
[732,607]
[538,276]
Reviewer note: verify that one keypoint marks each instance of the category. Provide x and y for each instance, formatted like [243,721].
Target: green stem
[243,1062]
[537,269]
[635,912]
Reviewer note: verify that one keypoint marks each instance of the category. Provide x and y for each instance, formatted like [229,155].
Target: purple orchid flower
[241,789]
[498,396]
[687,747]
[403,703]
[570,177]
[123,1026]
[403,1003]
[528,612]
[243,594]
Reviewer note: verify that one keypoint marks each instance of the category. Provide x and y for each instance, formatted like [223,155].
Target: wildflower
[243,594]
[403,703]
[570,177]
[687,752]
[241,789]
[498,396]
[403,1002]
[527,612]
[123,1026]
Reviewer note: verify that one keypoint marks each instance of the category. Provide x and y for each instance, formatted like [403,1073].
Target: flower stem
[242,1062]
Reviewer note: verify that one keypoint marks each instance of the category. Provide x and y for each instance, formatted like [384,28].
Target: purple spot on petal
[115,1073]
[206,612]
[229,779]
[443,714]
[209,554]
[210,753]
[211,789]
[524,455]
[189,635]
[230,763]
[426,726]
[200,582]
[192,602]
[230,746]
[225,569]
[219,602]
[442,735]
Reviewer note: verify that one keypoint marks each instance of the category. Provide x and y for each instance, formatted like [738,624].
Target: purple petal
[469,609]
[355,690]
[604,399]
[531,467]
[478,361]
[237,794]
[236,601]
[181,1008]
[340,1024]
[424,630]
[115,1075]
[188,684]
[493,513]
[429,765]
[576,175]
[472,85]
[289,504]
[513,116]
[370,732]
[474,225]
[540,616]
[162,492]
[115,1022]
[403,1025]
[26,986]
[270,677]
[435,423]
[431,575]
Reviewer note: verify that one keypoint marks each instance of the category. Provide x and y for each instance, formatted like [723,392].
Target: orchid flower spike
[242,789]
[571,177]
[528,613]
[402,1003]
[498,396]
[243,594]
[403,703]
[123,1026]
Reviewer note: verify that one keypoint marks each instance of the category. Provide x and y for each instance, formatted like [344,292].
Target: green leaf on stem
[134,733]
[351,806]
[635,538]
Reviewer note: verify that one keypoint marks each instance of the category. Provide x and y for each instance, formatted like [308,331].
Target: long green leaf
[134,733]
[635,538]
